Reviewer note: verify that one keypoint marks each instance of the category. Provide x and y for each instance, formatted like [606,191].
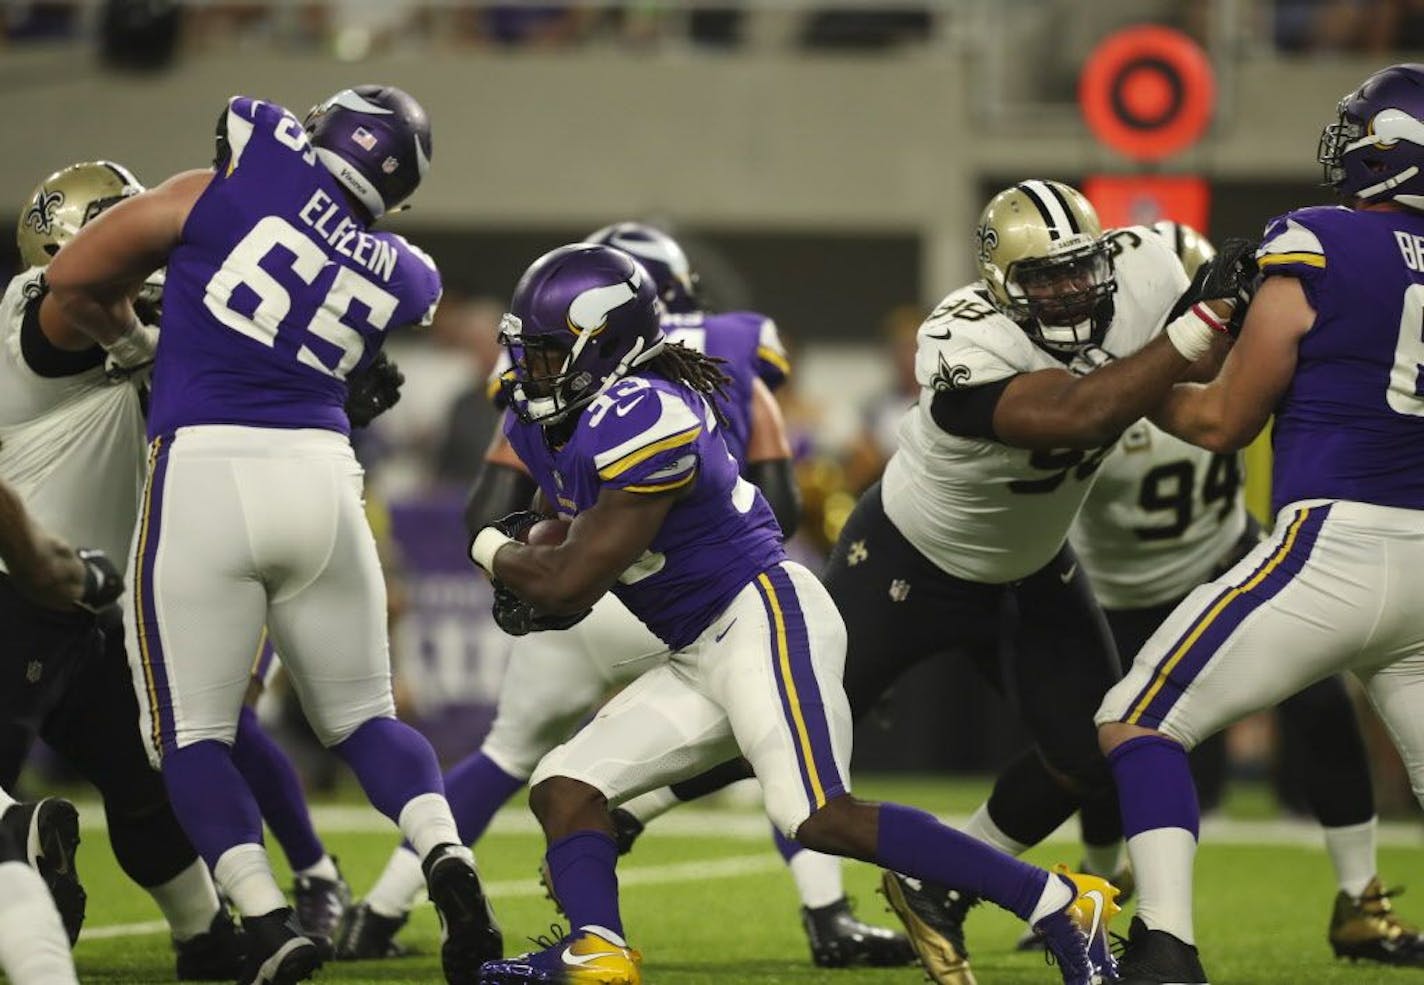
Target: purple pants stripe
[150,644]
[1193,650]
[800,694]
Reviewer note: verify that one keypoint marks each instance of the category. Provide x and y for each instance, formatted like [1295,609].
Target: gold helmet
[1191,247]
[67,200]
[1046,263]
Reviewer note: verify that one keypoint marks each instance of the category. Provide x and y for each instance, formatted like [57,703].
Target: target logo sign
[1147,92]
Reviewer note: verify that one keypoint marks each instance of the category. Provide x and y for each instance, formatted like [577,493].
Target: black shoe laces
[544,943]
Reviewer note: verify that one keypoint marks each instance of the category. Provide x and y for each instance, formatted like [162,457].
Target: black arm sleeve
[968,412]
[46,359]
[497,491]
[776,478]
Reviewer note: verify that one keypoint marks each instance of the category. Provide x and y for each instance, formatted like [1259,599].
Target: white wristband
[1193,333]
[485,545]
[135,347]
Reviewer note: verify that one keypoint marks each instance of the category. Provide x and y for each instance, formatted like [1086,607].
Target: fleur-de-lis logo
[986,238]
[40,215]
[949,377]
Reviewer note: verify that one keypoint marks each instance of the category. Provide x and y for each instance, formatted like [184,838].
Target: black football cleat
[365,935]
[47,832]
[320,904]
[934,922]
[278,953]
[626,829]
[470,936]
[839,940]
[1155,957]
[217,955]
[1372,931]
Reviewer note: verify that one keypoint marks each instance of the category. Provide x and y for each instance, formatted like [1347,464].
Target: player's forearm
[44,568]
[550,579]
[1197,414]
[100,315]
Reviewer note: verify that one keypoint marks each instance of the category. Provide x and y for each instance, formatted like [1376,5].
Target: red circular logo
[1147,92]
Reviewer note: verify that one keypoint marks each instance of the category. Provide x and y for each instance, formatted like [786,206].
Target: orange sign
[1147,92]
[1140,200]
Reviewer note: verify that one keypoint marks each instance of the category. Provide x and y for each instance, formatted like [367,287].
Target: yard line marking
[732,867]
[743,825]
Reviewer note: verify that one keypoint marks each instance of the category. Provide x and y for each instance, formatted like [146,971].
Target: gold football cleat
[935,927]
[1370,929]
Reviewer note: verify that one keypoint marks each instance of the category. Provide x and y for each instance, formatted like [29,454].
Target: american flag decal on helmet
[365,138]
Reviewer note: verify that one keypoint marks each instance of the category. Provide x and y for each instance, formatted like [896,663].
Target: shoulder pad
[1294,244]
[967,342]
[641,435]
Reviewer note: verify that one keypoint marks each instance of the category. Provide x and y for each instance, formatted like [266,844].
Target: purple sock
[583,868]
[274,782]
[211,799]
[1154,786]
[393,763]
[914,844]
[789,849]
[476,788]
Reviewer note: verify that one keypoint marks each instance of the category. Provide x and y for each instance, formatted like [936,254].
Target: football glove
[102,582]
[515,525]
[373,391]
[1232,275]
[518,618]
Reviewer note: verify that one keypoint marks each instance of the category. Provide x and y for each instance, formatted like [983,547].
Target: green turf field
[707,901]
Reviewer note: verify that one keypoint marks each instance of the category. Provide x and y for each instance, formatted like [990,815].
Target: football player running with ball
[277,290]
[555,679]
[616,426]
[1332,347]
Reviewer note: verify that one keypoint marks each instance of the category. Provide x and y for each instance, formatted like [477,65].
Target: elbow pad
[497,491]
[776,478]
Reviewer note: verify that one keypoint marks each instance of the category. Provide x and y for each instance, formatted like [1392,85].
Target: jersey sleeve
[773,364]
[646,441]
[423,287]
[1292,247]
[954,353]
[244,118]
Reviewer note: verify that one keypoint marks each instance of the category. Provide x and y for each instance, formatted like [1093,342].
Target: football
[547,533]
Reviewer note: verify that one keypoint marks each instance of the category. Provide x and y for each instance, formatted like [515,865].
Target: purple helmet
[375,140]
[660,256]
[581,318]
[1375,151]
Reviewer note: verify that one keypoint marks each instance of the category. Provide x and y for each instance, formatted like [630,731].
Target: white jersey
[982,510]
[71,446]
[1162,518]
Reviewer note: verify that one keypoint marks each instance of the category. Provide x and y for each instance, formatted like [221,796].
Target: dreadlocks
[698,370]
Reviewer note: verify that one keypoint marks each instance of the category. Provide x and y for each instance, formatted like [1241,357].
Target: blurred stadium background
[824,162]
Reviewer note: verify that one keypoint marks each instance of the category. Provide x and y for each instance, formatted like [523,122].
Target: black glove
[1231,275]
[517,617]
[373,391]
[103,583]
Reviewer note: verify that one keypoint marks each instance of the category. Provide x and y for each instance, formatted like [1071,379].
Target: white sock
[1352,852]
[6,801]
[651,805]
[982,826]
[426,821]
[1162,863]
[1055,898]
[189,901]
[34,949]
[399,886]
[1102,860]
[324,869]
[245,874]
[818,878]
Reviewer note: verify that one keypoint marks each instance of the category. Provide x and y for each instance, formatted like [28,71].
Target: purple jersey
[277,290]
[1351,424]
[649,435]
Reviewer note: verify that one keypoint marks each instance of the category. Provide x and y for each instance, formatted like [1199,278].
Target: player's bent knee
[563,804]
[844,826]
[1113,734]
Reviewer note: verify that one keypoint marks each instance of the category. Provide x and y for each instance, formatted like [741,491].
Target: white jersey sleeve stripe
[676,425]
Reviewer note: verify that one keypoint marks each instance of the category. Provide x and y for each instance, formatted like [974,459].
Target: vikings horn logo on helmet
[589,311]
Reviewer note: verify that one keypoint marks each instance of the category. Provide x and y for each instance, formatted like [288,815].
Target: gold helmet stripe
[1053,207]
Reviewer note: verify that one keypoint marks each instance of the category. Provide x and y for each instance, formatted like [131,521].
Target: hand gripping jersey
[649,435]
[1351,424]
[71,445]
[748,345]
[982,510]
[1161,518]
[278,290]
